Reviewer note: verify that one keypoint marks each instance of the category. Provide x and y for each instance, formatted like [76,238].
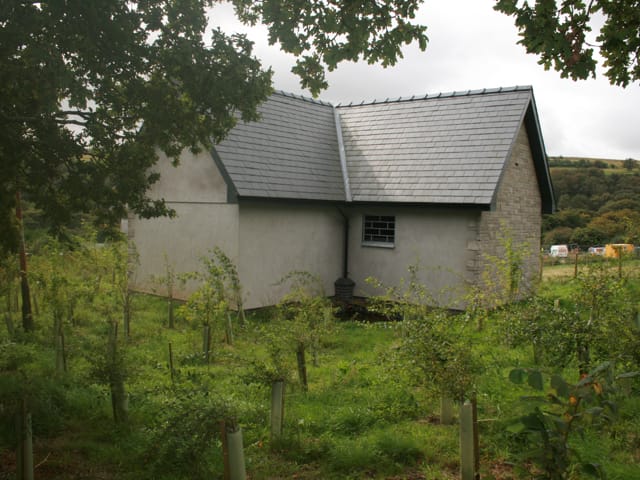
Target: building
[359,190]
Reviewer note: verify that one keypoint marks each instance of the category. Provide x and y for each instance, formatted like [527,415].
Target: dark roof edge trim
[540,159]
[467,206]
[232,192]
[514,140]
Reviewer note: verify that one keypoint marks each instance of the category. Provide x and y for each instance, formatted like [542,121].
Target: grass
[364,416]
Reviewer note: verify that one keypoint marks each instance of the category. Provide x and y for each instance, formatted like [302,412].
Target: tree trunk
[27,314]
[127,312]
[61,357]
[206,343]
[171,371]
[119,401]
[584,358]
[170,312]
[241,316]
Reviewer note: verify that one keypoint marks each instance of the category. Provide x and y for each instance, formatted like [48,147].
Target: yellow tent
[613,250]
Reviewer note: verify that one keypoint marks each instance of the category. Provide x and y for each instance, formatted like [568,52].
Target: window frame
[390,221]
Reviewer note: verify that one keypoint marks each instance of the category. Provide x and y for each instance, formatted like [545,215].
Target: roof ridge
[302,97]
[457,93]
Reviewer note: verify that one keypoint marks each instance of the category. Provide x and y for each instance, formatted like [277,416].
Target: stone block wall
[516,216]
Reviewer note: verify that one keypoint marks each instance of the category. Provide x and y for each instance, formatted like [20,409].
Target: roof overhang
[540,161]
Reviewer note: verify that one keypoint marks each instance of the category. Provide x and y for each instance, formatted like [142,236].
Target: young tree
[559,33]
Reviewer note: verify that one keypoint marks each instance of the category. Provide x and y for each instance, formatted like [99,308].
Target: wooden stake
[206,343]
[302,366]
[171,362]
[277,408]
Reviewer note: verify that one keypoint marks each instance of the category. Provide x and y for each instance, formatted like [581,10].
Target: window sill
[378,245]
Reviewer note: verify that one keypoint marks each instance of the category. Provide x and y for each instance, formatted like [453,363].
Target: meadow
[115,393]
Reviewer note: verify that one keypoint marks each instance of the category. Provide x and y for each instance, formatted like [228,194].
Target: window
[379,230]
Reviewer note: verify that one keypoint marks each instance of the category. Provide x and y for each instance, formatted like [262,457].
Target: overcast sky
[471,46]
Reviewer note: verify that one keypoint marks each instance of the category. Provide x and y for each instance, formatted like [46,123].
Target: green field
[369,412]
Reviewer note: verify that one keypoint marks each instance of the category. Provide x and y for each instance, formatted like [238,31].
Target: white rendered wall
[441,243]
[204,219]
[277,238]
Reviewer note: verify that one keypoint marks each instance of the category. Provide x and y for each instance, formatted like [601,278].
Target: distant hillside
[598,202]
[619,166]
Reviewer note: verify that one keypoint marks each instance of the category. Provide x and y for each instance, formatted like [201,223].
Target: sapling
[432,344]
[168,282]
[210,303]
[119,399]
[276,371]
[109,367]
[233,288]
[203,307]
[114,304]
[53,278]
[309,315]
[435,351]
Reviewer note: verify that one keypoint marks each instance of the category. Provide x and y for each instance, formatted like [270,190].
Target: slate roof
[292,152]
[436,149]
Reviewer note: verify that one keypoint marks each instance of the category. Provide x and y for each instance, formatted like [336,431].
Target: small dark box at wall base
[344,288]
